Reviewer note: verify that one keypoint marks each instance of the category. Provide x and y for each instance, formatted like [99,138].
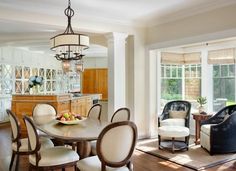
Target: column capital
[116,35]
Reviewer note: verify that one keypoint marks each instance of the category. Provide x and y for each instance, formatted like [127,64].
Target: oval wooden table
[86,130]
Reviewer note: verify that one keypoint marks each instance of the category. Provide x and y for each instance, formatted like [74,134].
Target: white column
[151,89]
[116,71]
[207,81]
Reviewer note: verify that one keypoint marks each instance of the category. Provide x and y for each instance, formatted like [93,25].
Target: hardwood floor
[141,161]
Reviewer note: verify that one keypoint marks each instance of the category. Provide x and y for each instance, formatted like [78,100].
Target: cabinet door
[81,107]
[95,81]
[64,107]
[88,104]
[102,83]
[89,81]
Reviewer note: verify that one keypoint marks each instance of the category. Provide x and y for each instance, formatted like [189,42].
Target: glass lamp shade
[66,66]
[79,67]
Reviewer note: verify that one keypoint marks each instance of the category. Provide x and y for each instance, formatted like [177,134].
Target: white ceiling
[128,12]
[143,11]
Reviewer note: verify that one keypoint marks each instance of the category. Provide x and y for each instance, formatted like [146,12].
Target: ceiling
[140,13]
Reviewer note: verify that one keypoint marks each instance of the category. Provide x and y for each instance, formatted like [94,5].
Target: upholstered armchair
[218,133]
[175,113]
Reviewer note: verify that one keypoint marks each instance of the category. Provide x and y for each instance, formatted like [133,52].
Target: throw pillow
[177,114]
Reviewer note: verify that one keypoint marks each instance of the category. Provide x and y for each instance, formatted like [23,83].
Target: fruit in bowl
[68,116]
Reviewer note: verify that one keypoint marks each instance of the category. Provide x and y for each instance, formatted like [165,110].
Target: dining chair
[95,111]
[20,146]
[46,111]
[58,157]
[115,146]
[121,114]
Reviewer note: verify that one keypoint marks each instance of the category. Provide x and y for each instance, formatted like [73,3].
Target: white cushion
[177,114]
[173,131]
[172,122]
[94,164]
[205,141]
[23,147]
[55,156]
[93,147]
[206,128]
[45,143]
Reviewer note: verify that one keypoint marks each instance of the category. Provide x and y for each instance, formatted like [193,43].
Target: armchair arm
[163,116]
[222,137]
[212,120]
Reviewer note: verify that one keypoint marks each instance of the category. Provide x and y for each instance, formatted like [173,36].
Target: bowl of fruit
[69,118]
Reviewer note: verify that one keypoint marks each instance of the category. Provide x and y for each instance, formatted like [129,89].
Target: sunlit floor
[141,161]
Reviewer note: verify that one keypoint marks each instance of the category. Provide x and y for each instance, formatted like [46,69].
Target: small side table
[198,118]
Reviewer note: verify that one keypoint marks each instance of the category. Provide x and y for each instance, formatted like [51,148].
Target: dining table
[81,132]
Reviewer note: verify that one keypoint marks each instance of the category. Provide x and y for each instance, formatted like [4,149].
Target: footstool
[173,132]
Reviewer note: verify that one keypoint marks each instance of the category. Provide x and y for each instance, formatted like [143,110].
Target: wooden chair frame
[127,160]
[118,110]
[100,111]
[16,140]
[37,152]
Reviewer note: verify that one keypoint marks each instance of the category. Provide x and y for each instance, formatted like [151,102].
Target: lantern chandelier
[69,45]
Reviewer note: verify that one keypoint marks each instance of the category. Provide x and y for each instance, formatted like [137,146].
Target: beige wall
[219,20]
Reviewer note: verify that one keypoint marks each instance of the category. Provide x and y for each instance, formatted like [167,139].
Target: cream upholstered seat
[121,114]
[115,146]
[94,164]
[172,122]
[21,146]
[50,158]
[173,132]
[45,143]
[45,110]
[95,111]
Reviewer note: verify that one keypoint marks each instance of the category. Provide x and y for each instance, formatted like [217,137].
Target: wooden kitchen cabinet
[24,104]
[81,106]
[95,81]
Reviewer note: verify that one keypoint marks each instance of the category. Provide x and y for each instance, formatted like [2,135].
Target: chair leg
[173,145]
[17,162]
[30,167]
[12,160]
[159,141]
[63,169]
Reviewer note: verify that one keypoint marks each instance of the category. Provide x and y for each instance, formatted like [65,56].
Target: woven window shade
[222,56]
[177,58]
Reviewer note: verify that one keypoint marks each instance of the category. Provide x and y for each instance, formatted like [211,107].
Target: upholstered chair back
[122,114]
[95,111]
[43,110]
[116,143]
[178,109]
[32,134]
[15,125]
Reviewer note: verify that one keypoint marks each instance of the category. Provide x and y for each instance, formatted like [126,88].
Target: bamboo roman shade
[222,56]
[181,59]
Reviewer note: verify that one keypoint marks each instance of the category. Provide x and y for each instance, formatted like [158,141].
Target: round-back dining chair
[115,146]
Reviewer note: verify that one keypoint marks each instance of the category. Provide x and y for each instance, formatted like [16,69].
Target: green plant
[202,100]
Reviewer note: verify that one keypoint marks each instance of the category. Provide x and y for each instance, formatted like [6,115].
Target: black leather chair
[218,133]
[177,105]
[175,113]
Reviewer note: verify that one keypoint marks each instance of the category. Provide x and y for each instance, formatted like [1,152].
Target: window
[223,85]
[180,82]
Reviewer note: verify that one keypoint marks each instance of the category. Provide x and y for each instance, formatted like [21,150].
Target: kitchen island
[25,103]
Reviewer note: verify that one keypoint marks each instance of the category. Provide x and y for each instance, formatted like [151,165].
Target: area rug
[195,158]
